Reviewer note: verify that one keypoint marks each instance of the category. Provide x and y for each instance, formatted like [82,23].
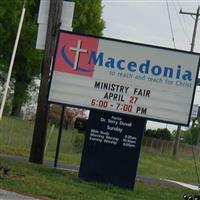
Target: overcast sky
[148,22]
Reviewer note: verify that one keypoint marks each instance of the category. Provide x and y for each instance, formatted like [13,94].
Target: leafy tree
[150,133]
[160,133]
[164,134]
[87,19]
[191,135]
[27,61]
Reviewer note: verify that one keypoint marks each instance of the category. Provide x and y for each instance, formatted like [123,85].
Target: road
[6,195]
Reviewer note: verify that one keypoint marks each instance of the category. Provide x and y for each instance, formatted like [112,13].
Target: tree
[87,19]
[191,135]
[27,61]
[150,133]
[160,133]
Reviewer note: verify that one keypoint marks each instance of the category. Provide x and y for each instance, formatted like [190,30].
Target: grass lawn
[154,165]
[15,139]
[165,166]
[56,184]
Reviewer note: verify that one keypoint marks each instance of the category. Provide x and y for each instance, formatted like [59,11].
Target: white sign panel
[66,20]
[136,79]
[43,12]
[67,13]
[41,36]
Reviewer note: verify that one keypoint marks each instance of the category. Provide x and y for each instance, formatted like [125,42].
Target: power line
[181,23]
[170,21]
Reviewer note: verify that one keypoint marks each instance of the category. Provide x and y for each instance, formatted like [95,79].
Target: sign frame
[134,43]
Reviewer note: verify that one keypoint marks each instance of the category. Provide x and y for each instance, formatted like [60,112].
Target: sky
[147,21]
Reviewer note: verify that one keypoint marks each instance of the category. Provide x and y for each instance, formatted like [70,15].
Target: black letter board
[111,148]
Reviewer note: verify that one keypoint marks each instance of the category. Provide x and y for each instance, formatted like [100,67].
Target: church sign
[129,78]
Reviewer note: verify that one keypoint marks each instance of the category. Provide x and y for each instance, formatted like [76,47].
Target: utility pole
[40,129]
[197,14]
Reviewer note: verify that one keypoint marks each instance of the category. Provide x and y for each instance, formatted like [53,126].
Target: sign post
[111,149]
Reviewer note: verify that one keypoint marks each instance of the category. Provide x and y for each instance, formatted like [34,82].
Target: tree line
[189,135]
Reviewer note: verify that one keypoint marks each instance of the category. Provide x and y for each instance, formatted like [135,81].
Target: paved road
[5,195]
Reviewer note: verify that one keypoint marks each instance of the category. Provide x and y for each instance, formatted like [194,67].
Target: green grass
[16,132]
[10,150]
[57,184]
[16,136]
[72,158]
[168,167]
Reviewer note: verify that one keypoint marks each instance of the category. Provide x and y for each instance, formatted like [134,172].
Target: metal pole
[12,60]
[59,137]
